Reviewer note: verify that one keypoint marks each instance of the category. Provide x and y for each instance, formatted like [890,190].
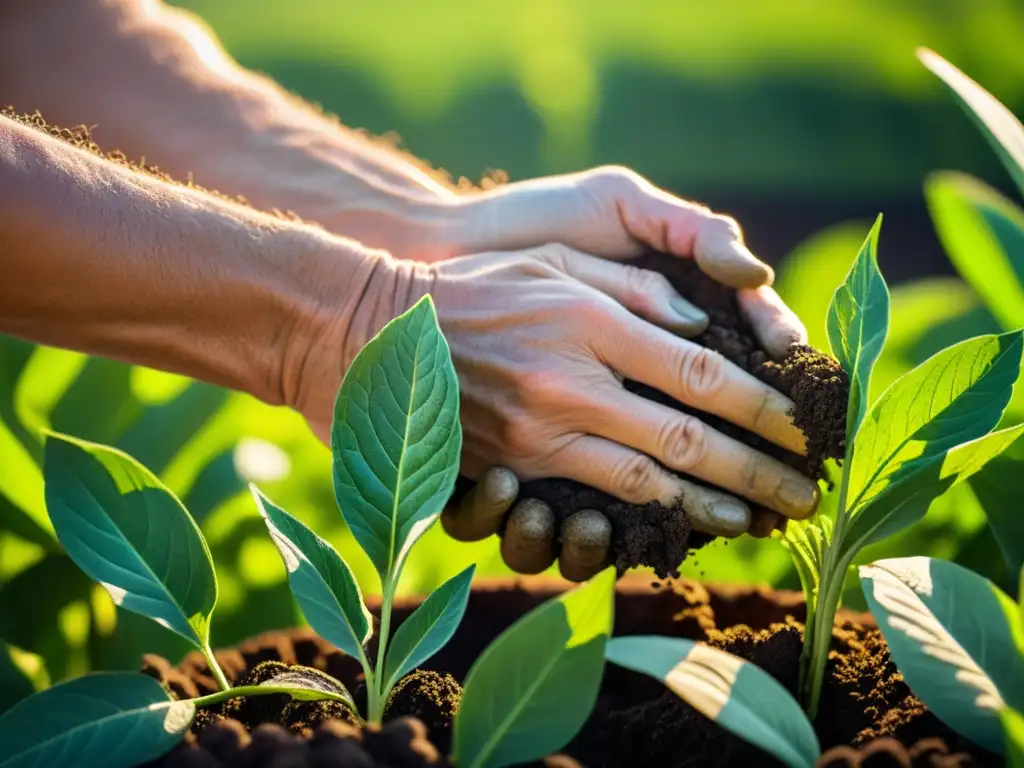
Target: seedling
[958,641]
[396,441]
[740,697]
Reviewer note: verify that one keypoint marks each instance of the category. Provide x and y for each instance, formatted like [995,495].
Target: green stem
[376,709]
[215,670]
[265,690]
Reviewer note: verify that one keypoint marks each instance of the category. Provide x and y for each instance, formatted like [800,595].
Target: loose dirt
[868,715]
[661,537]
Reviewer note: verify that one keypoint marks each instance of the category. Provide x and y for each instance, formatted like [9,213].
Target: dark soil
[869,717]
[660,537]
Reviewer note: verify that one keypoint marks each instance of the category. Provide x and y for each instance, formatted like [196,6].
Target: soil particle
[661,537]
[433,698]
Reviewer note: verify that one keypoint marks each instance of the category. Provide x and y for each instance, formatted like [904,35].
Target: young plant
[928,431]
[739,697]
[396,442]
[958,641]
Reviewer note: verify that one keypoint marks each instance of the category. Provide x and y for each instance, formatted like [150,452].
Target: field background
[803,119]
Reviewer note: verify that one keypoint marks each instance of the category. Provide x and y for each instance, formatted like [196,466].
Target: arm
[158,85]
[99,258]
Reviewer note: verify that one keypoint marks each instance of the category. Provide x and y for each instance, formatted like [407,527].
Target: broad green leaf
[99,404]
[953,397]
[857,323]
[113,719]
[429,627]
[1013,728]
[950,634]
[983,235]
[322,583]
[533,688]
[1002,130]
[740,697]
[905,501]
[999,487]
[127,531]
[396,437]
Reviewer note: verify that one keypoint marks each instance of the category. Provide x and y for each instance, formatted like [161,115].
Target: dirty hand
[541,340]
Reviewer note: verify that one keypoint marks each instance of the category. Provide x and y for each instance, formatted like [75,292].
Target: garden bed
[868,715]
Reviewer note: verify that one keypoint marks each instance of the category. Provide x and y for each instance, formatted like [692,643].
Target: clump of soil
[660,537]
[868,715]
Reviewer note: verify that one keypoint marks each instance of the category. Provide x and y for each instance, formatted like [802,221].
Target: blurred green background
[798,117]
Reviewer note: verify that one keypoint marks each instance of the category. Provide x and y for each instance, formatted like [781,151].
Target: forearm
[98,258]
[156,84]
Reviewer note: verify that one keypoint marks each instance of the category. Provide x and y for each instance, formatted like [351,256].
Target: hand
[541,340]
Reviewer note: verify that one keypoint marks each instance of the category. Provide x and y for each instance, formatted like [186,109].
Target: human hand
[541,340]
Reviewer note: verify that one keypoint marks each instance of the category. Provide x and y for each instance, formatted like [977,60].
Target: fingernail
[688,312]
[730,518]
[801,496]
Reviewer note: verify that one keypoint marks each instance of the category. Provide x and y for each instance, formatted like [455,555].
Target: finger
[645,293]
[682,228]
[637,479]
[478,514]
[682,442]
[586,538]
[775,325]
[528,545]
[764,521]
[699,377]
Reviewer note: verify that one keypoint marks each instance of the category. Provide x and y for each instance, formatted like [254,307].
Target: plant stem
[215,670]
[376,708]
[264,690]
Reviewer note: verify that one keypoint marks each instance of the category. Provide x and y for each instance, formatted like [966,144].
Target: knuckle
[753,475]
[618,178]
[701,371]
[683,442]
[636,477]
[723,227]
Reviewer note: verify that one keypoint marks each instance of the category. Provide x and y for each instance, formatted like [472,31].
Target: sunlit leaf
[396,437]
[858,321]
[306,684]
[738,696]
[321,581]
[21,674]
[950,634]
[905,500]
[953,397]
[430,626]
[807,541]
[532,689]
[128,532]
[999,487]
[113,719]
[1002,130]
[1013,727]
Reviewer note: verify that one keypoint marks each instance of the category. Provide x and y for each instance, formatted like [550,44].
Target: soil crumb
[659,537]
[431,697]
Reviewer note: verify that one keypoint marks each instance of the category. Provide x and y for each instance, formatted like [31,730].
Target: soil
[661,537]
[868,715]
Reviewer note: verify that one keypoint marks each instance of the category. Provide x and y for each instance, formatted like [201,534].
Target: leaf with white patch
[127,531]
[950,634]
[113,719]
[321,581]
[740,697]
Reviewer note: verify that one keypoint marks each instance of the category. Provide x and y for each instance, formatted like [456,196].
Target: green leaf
[903,502]
[21,674]
[740,697]
[983,234]
[1002,130]
[322,583]
[857,323]
[999,487]
[950,634]
[807,541]
[396,437]
[1013,727]
[112,719]
[127,531]
[953,397]
[533,688]
[307,684]
[430,626]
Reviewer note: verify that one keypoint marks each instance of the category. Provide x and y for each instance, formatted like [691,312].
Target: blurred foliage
[797,97]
